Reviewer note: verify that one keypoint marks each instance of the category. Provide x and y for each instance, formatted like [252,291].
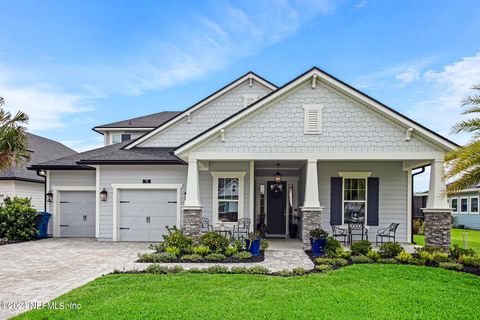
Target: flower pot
[318,246]
[292,230]
[254,247]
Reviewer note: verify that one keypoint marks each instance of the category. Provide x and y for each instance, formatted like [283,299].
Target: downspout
[412,202]
[45,190]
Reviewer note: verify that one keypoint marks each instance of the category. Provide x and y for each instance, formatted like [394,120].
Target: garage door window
[228,197]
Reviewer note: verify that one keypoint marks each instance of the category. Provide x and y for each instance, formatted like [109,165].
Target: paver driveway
[39,271]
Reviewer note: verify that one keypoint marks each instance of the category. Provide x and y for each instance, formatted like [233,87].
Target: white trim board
[137,186]
[250,76]
[335,83]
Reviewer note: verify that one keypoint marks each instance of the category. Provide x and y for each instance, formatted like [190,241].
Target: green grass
[354,292]
[457,238]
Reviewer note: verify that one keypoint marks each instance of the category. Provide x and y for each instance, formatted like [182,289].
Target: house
[20,182]
[342,156]
[464,204]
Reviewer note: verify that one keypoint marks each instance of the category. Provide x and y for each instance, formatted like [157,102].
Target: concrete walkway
[38,271]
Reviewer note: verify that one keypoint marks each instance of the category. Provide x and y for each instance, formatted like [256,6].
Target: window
[473,204]
[228,197]
[248,99]
[354,199]
[463,205]
[454,204]
[116,138]
[126,137]
[313,118]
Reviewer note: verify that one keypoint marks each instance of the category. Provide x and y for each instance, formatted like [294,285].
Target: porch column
[311,209]
[192,209]
[437,213]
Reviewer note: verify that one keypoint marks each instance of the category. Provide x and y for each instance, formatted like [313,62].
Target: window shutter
[372,201]
[336,201]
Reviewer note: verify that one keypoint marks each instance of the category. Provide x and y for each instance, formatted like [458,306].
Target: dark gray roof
[148,121]
[42,149]
[112,154]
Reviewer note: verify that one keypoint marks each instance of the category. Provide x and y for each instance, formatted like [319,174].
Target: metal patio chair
[357,229]
[389,232]
[241,229]
[339,232]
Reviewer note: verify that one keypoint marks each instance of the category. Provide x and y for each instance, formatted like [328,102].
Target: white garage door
[77,213]
[144,214]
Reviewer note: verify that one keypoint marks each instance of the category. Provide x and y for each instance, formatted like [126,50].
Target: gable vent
[313,118]
[248,99]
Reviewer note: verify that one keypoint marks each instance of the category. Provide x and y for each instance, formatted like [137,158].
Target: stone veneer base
[437,229]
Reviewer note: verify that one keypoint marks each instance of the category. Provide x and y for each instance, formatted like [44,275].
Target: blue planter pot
[254,247]
[318,246]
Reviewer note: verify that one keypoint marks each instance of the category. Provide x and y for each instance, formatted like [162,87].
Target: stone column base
[192,223]
[437,228]
[310,221]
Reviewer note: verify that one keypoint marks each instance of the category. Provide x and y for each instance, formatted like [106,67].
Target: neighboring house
[342,156]
[465,206]
[21,182]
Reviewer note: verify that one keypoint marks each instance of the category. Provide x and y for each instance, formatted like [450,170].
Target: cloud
[361,4]
[408,76]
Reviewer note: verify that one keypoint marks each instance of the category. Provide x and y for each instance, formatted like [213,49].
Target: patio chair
[357,229]
[206,226]
[241,229]
[389,232]
[339,232]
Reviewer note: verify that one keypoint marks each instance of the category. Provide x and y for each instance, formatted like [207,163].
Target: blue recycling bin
[42,224]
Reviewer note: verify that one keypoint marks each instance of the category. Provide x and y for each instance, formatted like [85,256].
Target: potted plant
[253,243]
[318,241]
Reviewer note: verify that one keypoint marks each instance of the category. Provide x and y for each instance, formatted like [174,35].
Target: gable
[346,125]
[207,116]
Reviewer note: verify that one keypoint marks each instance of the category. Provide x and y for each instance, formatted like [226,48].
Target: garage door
[77,213]
[144,214]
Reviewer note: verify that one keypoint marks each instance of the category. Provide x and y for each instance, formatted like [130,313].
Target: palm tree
[464,164]
[13,138]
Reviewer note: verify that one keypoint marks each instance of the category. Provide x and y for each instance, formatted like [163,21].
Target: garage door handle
[124,228]
[124,201]
[64,225]
[64,201]
[172,201]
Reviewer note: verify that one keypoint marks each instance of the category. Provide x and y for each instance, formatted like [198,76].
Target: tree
[464,164]
[13,138]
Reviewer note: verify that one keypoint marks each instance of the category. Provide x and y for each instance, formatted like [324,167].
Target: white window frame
[470,205]
[460,205]
[307,108]
[455,211]
[241,194]
[116,134]
[354,175]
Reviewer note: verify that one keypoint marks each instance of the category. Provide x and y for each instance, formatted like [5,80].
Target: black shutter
[372,201]
[336,209]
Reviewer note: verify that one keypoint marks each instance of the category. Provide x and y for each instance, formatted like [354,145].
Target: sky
[72,65]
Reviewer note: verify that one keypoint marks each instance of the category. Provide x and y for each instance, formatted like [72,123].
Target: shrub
[299,271]
[159,247]
[214,241]
[284,272]
[156,257]
[387,261]
[242,255]
[451,266]
[427,257]
[201,250]
[230,251]
[390,250]
[456,252]
[217,269]
[157,269]
[360,259]
[344,254]
[239,270]
[18,219]
[318,233]
[323,268]
[176,238]
[339,262]
[360,247]
[470,261]
[215,257]
[239,244]
[196,270]
[404,257]
[191,257]
[373,255]
[264,244]
[173,250]
[442,257]
[258,270]
[418,227]
[332,246]
[176,269]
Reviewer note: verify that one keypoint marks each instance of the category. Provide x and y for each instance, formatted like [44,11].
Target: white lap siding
[157,174]
[393,204]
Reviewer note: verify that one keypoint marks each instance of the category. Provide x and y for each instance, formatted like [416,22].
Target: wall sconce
[278,175]
[103,195]
[49,196]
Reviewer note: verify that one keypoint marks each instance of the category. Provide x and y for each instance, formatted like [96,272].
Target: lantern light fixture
[103,195]
[49,196]
[278,175]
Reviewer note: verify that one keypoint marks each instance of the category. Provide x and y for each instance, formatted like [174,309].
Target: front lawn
[354,292]
[457,238]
